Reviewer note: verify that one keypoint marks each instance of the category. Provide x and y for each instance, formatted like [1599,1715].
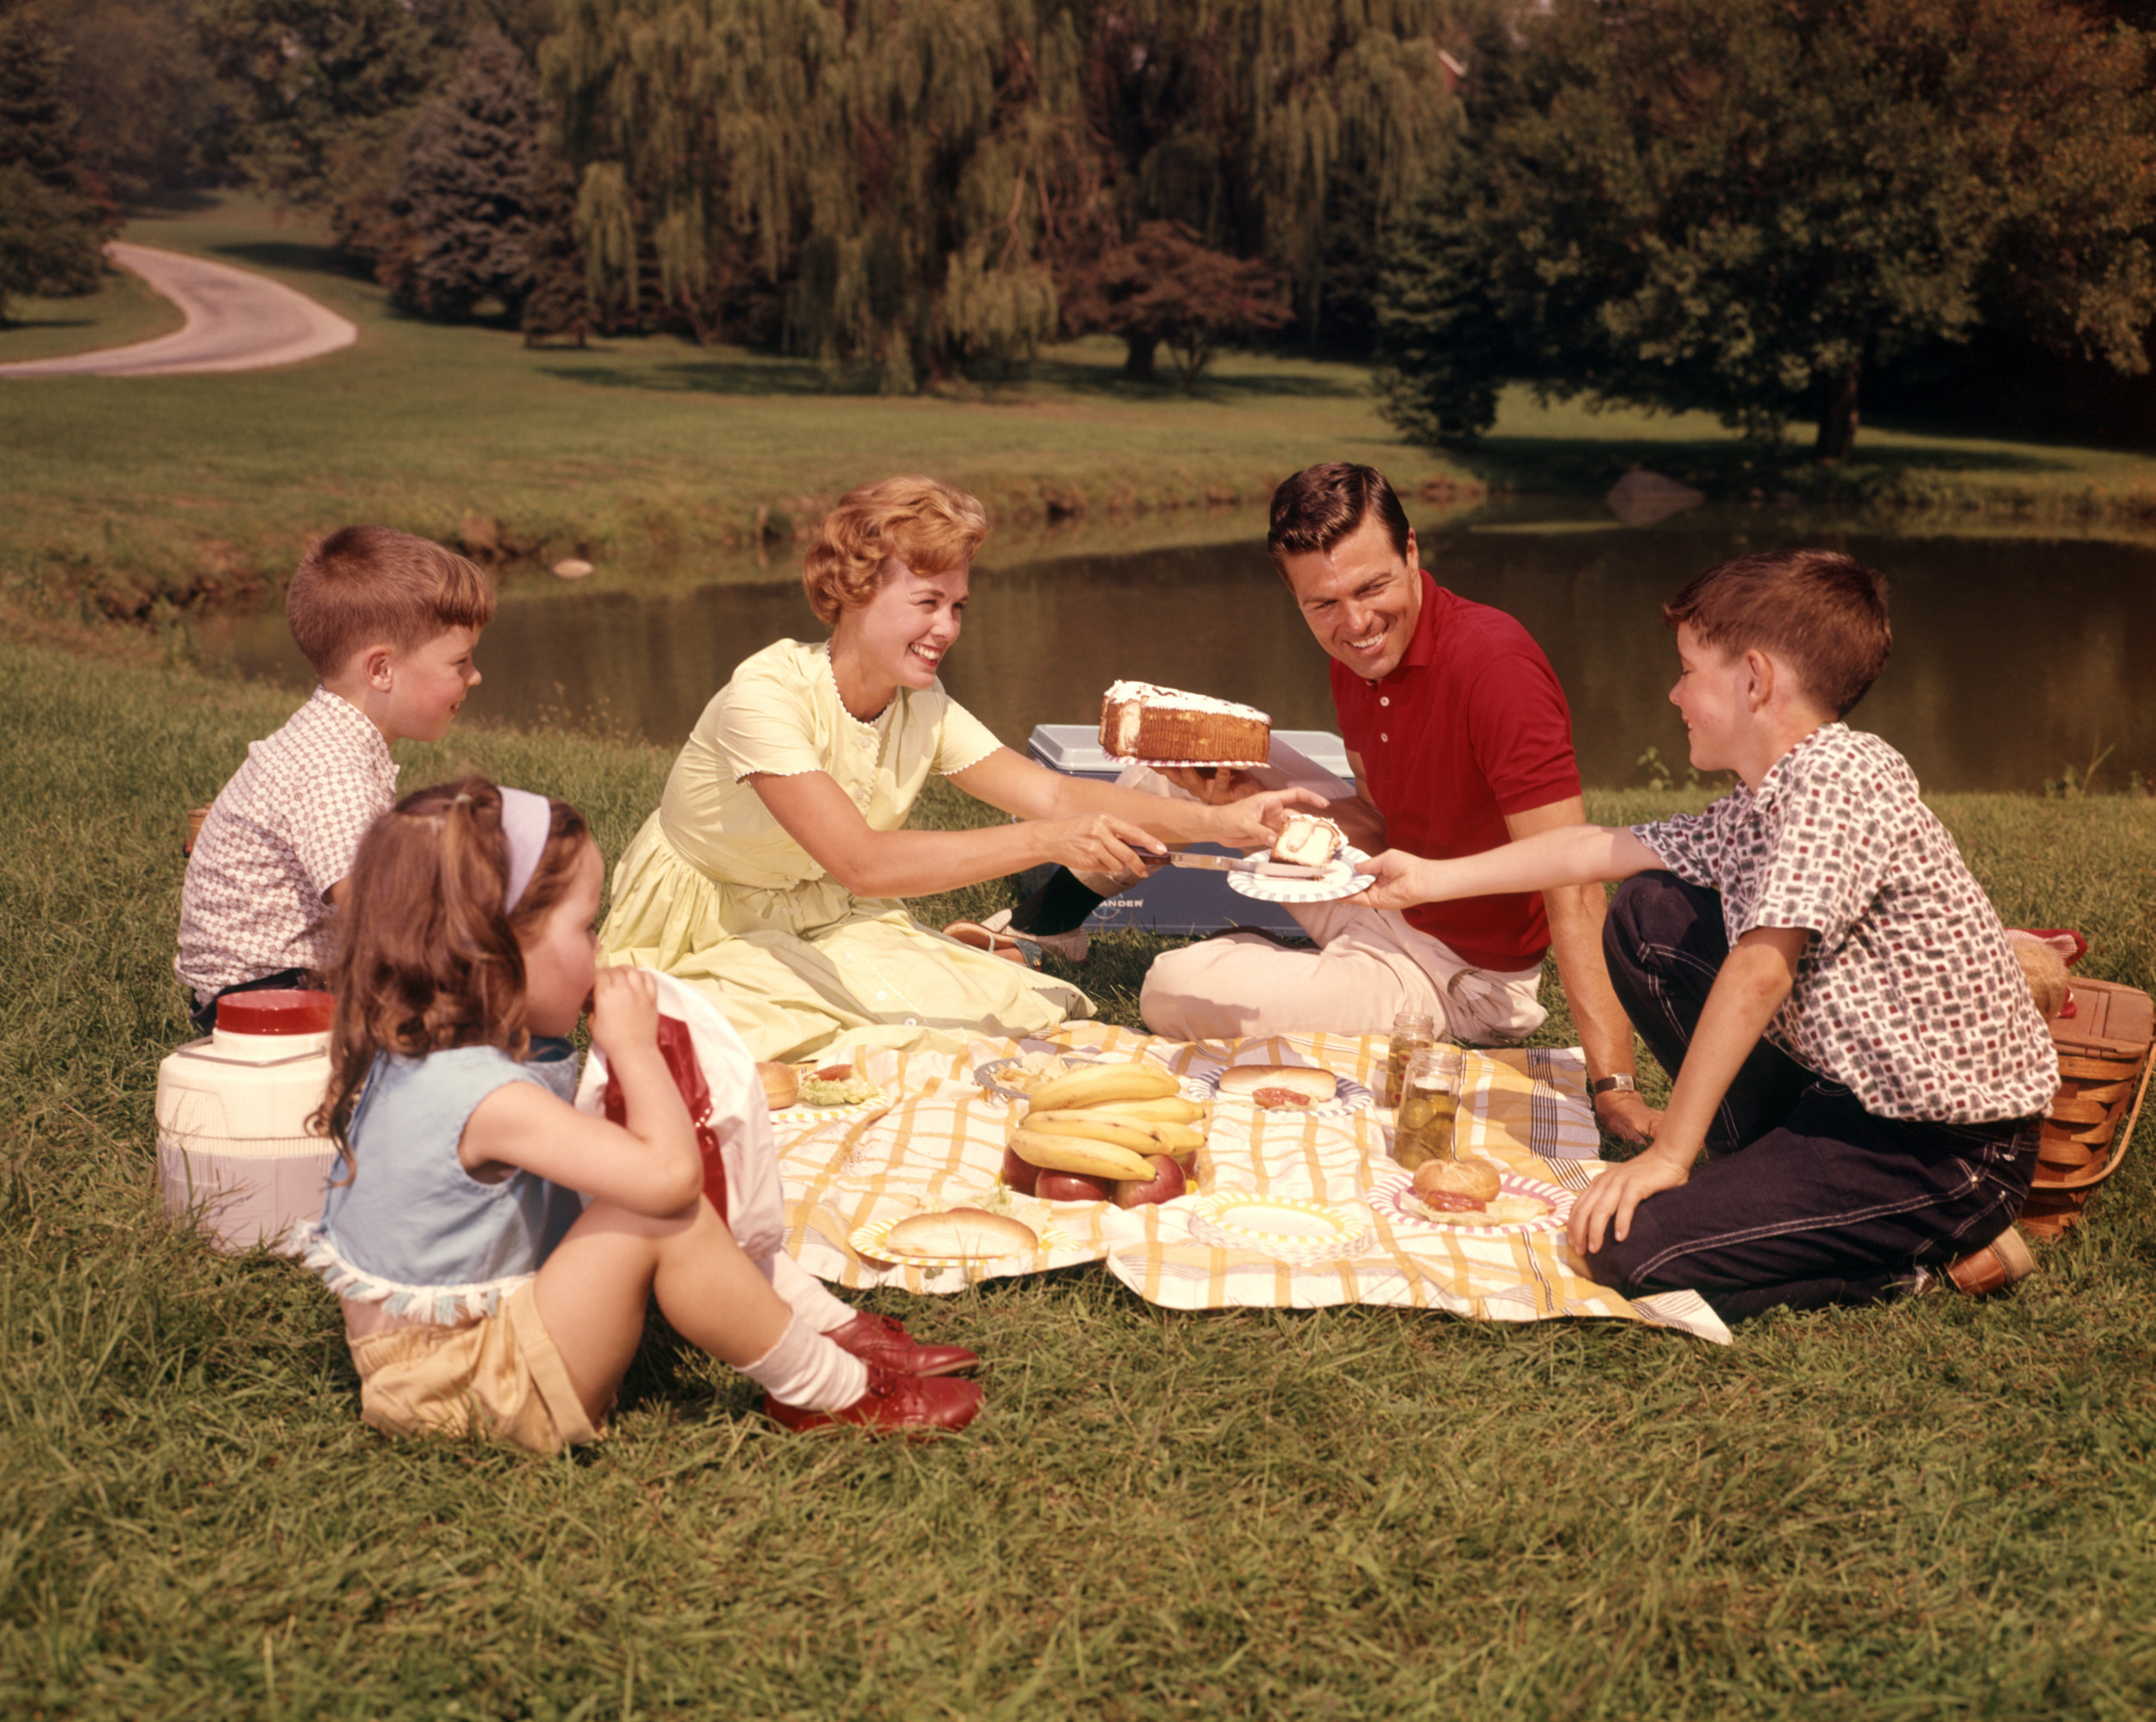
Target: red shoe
[893,1402]
[878,1339]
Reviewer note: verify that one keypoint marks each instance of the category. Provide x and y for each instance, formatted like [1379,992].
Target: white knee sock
[805,1370]
[805,1295]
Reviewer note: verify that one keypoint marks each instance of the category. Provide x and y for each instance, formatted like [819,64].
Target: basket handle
[2119,1143]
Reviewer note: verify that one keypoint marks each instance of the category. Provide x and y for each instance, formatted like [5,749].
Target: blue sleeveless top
[409,1227]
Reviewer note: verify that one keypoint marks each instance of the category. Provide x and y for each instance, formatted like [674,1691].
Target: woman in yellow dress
[773,875]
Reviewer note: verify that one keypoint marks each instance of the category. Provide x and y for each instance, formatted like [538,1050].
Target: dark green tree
[556,307]
[149,104]
[465,190]
[315,83]
[1741,205]
[52,226]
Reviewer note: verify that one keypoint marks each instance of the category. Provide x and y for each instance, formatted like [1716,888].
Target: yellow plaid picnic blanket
[939,1144]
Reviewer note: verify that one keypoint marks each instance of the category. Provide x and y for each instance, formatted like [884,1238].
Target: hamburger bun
[961,1231]
[781,1086]
[1313,1082]
[1475,1179]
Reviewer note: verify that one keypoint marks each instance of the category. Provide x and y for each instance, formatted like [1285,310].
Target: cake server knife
[1262,869]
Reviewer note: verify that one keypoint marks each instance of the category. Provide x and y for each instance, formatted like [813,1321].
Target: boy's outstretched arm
[1572,855]
[1755,979]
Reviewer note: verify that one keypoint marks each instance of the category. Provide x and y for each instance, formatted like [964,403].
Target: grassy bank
[136,497]
[1938,1510]
[123,311]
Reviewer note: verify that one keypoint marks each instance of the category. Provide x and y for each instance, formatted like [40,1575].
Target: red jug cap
[275,1011]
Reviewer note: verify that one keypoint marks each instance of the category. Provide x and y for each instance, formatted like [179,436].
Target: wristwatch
[1620,1083]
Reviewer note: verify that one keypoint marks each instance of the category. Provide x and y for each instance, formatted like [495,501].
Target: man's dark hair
[1823,611]
[1322,505]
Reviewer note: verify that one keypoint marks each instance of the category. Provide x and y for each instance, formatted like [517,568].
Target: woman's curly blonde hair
[935,527]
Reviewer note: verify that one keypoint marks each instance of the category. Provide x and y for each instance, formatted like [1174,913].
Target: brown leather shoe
[878,1339]
[900,1404]
[1998,1265]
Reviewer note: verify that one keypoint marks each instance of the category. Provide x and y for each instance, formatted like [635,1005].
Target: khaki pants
[1370,964]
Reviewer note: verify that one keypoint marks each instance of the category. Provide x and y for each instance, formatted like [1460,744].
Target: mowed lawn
[1938,1510]
[152,497]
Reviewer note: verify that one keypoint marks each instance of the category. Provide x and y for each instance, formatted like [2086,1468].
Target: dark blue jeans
[1805,1198]
[205,1016]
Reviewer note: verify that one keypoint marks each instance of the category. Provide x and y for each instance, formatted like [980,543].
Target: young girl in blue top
[494,1247]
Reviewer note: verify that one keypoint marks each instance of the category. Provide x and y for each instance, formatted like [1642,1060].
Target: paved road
[236,321]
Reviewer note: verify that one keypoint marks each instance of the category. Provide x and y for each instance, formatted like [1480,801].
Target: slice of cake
[1141,722]
[1304,839]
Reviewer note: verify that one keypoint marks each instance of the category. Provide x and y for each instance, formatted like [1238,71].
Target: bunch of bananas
[1105,1121]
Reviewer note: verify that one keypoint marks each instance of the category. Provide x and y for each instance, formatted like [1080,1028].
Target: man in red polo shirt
[1460,740]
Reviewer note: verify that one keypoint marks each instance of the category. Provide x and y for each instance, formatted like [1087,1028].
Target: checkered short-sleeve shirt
[1907,994]
[280,834]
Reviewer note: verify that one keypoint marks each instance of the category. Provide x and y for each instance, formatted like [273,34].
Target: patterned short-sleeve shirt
[280,834]
[1907,993]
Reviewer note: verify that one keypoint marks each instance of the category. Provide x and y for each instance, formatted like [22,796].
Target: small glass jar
[1413,1031]
[1429,1105]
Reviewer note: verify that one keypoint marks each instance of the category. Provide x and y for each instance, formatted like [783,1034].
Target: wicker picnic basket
[2103,1069]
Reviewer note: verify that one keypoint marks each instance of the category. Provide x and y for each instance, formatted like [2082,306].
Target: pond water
[2014,658]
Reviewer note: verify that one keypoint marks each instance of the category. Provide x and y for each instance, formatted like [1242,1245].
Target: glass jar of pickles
[1413,1031]
[1429,1103]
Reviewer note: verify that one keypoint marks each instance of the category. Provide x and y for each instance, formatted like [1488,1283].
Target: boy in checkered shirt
[1854,1046]
[389,621]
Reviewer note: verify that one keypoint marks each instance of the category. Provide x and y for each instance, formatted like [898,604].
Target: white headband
[526,819]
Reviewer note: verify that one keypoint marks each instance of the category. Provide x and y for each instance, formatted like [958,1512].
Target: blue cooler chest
[1178,900]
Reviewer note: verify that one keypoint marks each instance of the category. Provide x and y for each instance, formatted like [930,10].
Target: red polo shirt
[1470,727]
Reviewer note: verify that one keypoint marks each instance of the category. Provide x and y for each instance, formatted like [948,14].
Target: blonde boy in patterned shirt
[1854,1046]
[389,621]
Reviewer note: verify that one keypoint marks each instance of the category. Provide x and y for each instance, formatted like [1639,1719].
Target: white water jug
[232,1110]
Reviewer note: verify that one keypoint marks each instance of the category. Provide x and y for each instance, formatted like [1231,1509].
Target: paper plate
[1282,1226]
[868,1240]
[1384,1199]
[832,1115]
[1340,881]
[1348,1096]
[989,1076]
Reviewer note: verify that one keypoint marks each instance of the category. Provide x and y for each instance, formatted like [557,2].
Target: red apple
[1166,1183]
[1070,1187]
[1019,1173]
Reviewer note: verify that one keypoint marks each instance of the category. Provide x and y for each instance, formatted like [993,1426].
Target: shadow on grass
[1076,376]
[291,253]
[1560,464]
[707,376]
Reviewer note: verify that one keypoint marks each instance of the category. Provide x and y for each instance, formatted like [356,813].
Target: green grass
[1940,1510]
[140,499]
[123,311]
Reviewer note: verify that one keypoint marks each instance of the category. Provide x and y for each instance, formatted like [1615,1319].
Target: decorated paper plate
[868,1240]
[798,1114]
[1348,1096]
[990,1074]
[1283,1226]
[1384,1199]
[1340,880]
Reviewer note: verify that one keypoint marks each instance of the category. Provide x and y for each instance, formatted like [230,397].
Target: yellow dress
[714,891]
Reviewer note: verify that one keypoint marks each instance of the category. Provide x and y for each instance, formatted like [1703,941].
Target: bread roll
[1476,1179]
[782,1087]
[1313,1081]
[962,1231]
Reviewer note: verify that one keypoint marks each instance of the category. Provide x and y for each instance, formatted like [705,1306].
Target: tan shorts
[500,1377]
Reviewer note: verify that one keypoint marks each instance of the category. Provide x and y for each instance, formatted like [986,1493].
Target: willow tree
[912,177]
[881,167]
[1302,131]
